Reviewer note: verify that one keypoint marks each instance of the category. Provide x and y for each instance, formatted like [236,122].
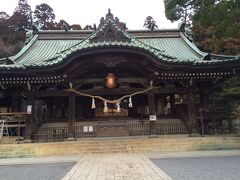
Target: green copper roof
[51,48]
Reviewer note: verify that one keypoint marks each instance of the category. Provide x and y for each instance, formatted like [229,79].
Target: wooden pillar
[28,133]
[203,99]
[172,103]
[15,102]
[191,110]
[71,118]
[152,112]
[164,104]
[159,109]
[204,94]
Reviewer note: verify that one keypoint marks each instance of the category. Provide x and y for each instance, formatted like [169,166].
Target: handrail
[13,113]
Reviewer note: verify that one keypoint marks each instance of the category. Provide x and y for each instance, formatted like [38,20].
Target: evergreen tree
[45,15]
[76,27]
[4,25]
[22,16]
[227,95]
[62,24]
[3,16]
[88,27]
[216,23]
[23,7]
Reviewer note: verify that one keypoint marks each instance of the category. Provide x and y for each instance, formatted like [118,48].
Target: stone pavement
[127,166]
[115,166]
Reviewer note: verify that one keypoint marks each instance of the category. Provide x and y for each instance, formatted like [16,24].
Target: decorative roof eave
[235,60]
[110,35]
[59,79]
[62,57]
[25,48]
[215,58]
[192,46]
[159,55]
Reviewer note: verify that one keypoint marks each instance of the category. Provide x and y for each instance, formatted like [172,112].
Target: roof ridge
[125,37]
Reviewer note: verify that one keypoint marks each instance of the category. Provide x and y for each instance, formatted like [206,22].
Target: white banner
[29,109]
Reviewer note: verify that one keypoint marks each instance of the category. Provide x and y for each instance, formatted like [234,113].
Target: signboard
[90,128]
[29,109]
[152,117]
[85,128]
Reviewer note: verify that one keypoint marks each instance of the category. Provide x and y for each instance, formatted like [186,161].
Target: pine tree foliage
[12,28]
[44,15]
[215,23]
[3,16]
[227,94]
[22,16]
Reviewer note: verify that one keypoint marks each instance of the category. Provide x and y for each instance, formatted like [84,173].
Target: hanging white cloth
[130,102]
[105,109]
[93,103]
[118,107]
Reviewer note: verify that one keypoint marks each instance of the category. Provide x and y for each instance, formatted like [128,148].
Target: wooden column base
[152,128]
[27,141]
[71,139]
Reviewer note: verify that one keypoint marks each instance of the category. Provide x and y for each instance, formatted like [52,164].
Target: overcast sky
[84,12]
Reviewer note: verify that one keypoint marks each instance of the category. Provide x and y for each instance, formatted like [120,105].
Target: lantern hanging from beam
[111,81]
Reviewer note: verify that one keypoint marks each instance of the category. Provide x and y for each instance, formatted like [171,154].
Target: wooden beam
[52,93]
[105,91]
[170,91]
[120,80]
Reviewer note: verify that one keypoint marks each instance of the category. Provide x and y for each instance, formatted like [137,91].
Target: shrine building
[110,81]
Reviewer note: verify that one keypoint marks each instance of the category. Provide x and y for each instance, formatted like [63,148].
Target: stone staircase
[138,144]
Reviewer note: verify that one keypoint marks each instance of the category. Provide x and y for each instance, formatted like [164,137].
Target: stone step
[113,145]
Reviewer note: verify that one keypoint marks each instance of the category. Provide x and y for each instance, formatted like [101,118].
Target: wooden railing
[173,128]
[138,129]
[13,123]
[51,134]
[134,129]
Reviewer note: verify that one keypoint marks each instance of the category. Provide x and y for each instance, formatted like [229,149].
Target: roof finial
[109,15]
